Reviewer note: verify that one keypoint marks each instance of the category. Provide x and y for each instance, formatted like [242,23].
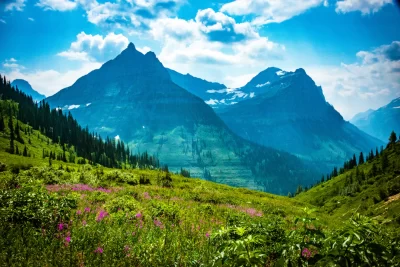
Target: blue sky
[349,47]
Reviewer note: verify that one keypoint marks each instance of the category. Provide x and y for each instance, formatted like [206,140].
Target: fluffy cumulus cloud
[17,5]
[212,40]
[95,48]
[371,82]
[364,6]
[133,14]
[57,5]
[267,11]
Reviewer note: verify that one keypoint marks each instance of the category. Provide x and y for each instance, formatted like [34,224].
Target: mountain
[132,97]
[25,87]
[194,85]
[381,122]
[290,113]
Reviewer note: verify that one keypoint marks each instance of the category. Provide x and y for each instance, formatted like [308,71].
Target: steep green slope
[372,188]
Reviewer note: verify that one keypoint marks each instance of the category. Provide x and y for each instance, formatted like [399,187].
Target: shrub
[125,203]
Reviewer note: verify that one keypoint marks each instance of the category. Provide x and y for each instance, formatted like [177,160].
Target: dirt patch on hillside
[393,198]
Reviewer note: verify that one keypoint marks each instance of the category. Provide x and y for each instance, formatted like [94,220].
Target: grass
[69,214]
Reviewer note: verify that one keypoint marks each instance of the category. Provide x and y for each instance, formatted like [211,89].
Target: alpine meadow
[114,152]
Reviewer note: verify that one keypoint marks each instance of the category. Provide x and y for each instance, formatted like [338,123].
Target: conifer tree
[25,153]
[361,159]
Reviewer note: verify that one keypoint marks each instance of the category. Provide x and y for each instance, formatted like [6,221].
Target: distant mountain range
[25,87]
[381,122]
[132,97]
[289,112]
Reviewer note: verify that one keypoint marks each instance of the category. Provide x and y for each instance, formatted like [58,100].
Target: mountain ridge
[25,87]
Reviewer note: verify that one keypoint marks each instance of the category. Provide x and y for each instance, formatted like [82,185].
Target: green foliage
[124,203]
[34,205]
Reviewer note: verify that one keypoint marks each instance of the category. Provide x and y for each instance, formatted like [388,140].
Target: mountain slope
[132,97]
[381,122]
[291,114]
[372,188]
[25,87]
[194,85]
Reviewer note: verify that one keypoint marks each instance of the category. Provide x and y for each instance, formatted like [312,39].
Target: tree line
[64,130]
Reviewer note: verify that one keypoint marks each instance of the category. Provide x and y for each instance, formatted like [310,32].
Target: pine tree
[2,125]
[361,159]
[25,153]
[392,138]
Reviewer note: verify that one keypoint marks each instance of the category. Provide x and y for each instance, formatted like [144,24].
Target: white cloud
[11,64]
[267,11]
[132,15]
[364,6]
[57,5]
[143,49]
[31,19]
[17,5]
[371,82]
[186,44]
[89,47]
[49,82]
[3,21]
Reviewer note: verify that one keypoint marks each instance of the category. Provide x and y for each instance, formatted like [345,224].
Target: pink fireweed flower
[78,212]
[126,248]
[306,253]
[67,240]
[87,209]
[146,195]
[60,226]
[208,235]
[84,223]
[99,250]
[158,223]
[102,215]
[138,215]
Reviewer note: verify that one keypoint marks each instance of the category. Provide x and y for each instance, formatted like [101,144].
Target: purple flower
[78,212]
[87,209]
[102,215]
[126,248]
[60,226]
[208,235]
[84,223]
[138,215]
[158,223]
[99,250]
[68,239]
[306,253]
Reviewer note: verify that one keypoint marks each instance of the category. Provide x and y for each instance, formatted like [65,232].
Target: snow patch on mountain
[73,106]
[262,85]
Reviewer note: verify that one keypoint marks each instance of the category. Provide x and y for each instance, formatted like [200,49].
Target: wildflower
[158,223]
[78,212]
[306,253]
[126,248]
[208,235]
[133,233]
[87,209]
[67,240]
[84,223]
[146,195]
[138,215]
[99,250]
[101,215]
[60,226]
